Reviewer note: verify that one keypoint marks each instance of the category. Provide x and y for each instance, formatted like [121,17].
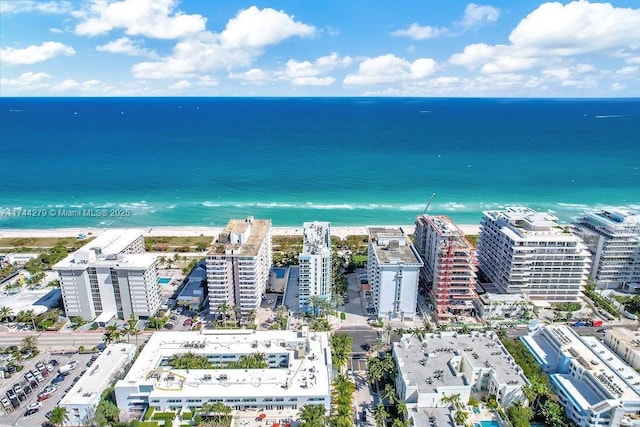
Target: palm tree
[341,343]
[375,370]
[313,416]
[380,414]
[223,309]
[388,329]
[125,331]
[135,332]
[27,315]
[30,342]
[251,316]
[401,408]
[59,416]
[5,313]
[389,394]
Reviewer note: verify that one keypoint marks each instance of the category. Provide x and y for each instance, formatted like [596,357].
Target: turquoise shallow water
[92,162]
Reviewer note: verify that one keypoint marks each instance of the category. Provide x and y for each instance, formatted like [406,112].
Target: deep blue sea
[351,161]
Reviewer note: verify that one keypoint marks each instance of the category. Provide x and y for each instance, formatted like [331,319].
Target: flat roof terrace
[428,361]
[259,228]
[388,251]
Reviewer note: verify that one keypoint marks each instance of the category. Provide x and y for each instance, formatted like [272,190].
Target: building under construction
[449,272]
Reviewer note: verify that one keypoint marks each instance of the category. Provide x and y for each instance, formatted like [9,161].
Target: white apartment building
[524,251]
[592,383]
[448,363]
[110,276]
[315,277]
[613,238]
[393,270]
[626,344]
[84,396]
[299,372]
[449,271]
[238,264]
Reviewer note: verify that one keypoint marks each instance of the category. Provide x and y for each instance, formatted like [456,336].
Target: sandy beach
[339,231]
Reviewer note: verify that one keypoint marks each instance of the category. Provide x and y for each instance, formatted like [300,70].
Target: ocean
[116,162]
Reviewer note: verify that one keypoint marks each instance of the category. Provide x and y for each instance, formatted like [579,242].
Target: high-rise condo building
[393,269]
[315,277]
[524,251]
[613,238]
[449,272]
[110,276]
[238,265]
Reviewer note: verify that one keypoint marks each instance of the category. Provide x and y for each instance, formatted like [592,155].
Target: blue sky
[503,48]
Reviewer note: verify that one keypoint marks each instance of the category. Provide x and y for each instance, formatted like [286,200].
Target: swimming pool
[490,423]
[279,272]
[164,280]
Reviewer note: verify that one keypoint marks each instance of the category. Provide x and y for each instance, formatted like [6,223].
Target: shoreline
[195,231]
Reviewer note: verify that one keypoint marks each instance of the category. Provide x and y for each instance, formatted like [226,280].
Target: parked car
[49,389]
[35,405]
[43,397]
[58,379]
[53,362]
[6,404]
[30,412]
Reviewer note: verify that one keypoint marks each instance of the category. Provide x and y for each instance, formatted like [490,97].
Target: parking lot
[29,390]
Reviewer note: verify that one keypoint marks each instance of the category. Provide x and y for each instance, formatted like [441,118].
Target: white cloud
[320,66]
[182,84]
[126,46]
[475,15]
[389,69]
[633,60]
[418,32]
[151,18]
[23,6]
[255,27]
[554,32]
[242,41]
[576,28]
[627,71]
[313,81]
[26,81]
[34,54]
[255,75]
[617,86]
[207,81]
[56,30]
[88,86]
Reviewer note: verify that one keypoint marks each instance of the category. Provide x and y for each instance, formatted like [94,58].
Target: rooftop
[630,338]
[113,241]
[119,262]
[307,372]
[89,388]
[622,381]
[520,223]
[241,237]
[445,227]
[316,235]
[430,363]
[391,246]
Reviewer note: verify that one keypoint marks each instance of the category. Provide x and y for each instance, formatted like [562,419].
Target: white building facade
[315,274]
[238,265]
[84,396]
[626,344]
[593,384]
[613,238]
[299,372]
[524,251]
[393,271]
[110,275]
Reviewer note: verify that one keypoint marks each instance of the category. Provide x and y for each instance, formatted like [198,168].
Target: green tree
[519,415]
[341,343]
[380,414]
[461,418]
[59,416]
[553,414]
[313,416]
[453,400]
[135,332]
[30,342]
[389,394]
[6,313]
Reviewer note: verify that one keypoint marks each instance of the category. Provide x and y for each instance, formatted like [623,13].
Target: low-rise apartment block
[238,265]
[393,270]
[593,384]
[84,396]
[299,372]
[110,276]
[524,251]
[613,238]
[626,344]
[449,271]
[446,363]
